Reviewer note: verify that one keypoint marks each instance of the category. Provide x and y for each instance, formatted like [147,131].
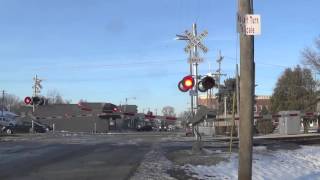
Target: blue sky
[107,51]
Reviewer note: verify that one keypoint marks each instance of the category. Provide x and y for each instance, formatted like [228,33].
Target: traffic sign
[193,92]
[249,24]
[195,41]
[195,60]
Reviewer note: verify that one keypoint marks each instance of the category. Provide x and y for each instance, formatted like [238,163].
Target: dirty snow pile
[299,164]
[154,166]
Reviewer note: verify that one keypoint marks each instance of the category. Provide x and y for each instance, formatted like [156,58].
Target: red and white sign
[27,100]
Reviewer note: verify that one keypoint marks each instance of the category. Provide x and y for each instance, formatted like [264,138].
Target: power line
[147,76]
[261,63]
[135,64]
[119,65]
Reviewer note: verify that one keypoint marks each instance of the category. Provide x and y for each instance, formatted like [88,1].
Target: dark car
[145,128]
[163,128]
[26,127]
[189,131]
[110,110]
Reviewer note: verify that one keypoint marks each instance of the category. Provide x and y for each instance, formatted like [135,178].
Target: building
[75,117]
[260,102]
[222,125]
[212,102]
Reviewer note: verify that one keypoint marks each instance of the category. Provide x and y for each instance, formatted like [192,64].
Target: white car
[6,121]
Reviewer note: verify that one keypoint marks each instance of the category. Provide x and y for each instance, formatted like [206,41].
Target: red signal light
[27,100]
[186,84]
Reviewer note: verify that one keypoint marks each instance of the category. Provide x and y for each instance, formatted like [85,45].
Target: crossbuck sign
[195,41]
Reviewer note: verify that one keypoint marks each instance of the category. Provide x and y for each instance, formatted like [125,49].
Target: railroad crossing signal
[37,85]
[27,100]
[186,83]
[206,83]
[34,100]
[195,41]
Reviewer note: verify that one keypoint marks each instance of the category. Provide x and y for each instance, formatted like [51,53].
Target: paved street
[73,156]
[134,156]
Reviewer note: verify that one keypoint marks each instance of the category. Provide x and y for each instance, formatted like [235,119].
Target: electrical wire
[104,66]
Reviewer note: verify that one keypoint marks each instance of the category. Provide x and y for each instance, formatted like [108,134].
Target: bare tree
[54,97]
[69,101]
[11,101]
[168,111]
[83,100]
[311,56]
[185,117]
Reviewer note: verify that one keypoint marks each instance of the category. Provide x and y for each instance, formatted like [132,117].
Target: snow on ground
[154,166]
[299,164]
[129,142]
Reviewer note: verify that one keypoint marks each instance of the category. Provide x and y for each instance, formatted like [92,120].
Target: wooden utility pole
[2,108]
[246,96]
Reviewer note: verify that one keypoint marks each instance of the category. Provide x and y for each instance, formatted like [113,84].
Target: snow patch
[154,166]
[130,142]
[259,148]
[300,164]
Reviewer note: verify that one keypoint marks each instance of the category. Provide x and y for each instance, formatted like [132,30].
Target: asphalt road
[134,156]
[72,156]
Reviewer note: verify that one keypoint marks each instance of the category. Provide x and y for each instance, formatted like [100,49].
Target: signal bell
[186,83]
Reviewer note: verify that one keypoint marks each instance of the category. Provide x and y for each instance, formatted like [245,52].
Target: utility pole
[237,89]
[225,106]
[237,95]
[246,96]
[219,60]
[2,109]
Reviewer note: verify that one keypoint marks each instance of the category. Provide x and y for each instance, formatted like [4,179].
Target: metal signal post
[36,89]
[194,41]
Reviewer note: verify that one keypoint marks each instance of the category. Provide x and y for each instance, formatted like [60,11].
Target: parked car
[171,127]
[110,110]
[189,131]
[26,127]
[163,128]
[7,121]
[144,128]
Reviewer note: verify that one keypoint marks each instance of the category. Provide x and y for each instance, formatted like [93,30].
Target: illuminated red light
[27,100]
[186,84]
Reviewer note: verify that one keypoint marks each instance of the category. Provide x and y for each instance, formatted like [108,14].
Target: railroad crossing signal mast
[194,42]
[36,90]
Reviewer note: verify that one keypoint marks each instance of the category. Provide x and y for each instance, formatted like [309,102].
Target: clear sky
[107,51]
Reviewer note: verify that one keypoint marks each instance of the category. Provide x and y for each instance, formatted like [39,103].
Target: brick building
[212,102]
